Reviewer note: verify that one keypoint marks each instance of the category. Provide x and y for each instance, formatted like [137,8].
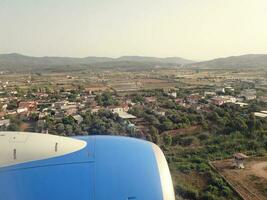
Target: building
[229,99]
[262,114]
[117,109]
[173,94]
[220,90]
[241,104]
[239,160]
[150,99]
[209,94]
[193,99]
[78,118]
[29,105]
[218,101]
[125,115]
[4,122]
[263,99]
[229,88]
[249,94]
[22,110]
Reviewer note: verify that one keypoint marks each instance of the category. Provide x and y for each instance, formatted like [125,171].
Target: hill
[18,62]
[243,61]
[176,60]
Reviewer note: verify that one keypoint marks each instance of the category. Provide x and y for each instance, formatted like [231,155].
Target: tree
[69,130]
[155,135]
[12,105]
[167,139]
[167,125]
[60,127]
[105,99]
[251,122]
[13,127]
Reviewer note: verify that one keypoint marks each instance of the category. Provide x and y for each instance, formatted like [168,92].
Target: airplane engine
[47,167]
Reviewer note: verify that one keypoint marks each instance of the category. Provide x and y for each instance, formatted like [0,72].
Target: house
[229,88]
[220,90]
[229,99]
[59,104]
[173,94]
[209,93]
[241,104]
[218,101]
[4,107]
[249,94]
[4,122]
[122,111]
[263,99]
[22,110]
[29,105]
[69,106]
[41,95]
[193,99]
[250,97]
[78,118]
[11,112]
[117,109]
[150,99]
[125,115]
[26,106]
[262,114]
[179,101]
[2,114]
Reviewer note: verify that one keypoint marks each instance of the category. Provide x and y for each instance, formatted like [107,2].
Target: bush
[187,192]
[187,141]
[203,136]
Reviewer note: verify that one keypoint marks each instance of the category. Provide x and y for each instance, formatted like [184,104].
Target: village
[38,102]
[200,123]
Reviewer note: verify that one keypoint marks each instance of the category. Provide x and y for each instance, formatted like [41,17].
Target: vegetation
[189,137]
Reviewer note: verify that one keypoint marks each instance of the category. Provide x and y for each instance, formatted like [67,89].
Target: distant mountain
[243,61]
[176,60]
[18,62]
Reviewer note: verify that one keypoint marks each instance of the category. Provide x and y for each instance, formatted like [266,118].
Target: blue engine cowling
[106,168]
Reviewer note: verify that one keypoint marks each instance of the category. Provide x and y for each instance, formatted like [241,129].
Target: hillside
[18,62]
[244,61]
[176,60]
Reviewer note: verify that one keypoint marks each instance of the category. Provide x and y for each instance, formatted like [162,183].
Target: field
[251,182]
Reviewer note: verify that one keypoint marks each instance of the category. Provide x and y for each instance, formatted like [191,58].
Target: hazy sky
[194,29]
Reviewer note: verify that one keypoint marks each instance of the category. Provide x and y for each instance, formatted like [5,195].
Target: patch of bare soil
[251,182]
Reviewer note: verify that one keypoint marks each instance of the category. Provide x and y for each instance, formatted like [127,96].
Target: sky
[193,29]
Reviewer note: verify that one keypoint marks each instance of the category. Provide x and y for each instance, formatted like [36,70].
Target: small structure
[193,98]
[125,115]
[261,114]
[78,119]
[5,122]
[218,101]
[239,160]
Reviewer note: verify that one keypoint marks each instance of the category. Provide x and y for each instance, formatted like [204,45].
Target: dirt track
[251,182]
[259,169]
